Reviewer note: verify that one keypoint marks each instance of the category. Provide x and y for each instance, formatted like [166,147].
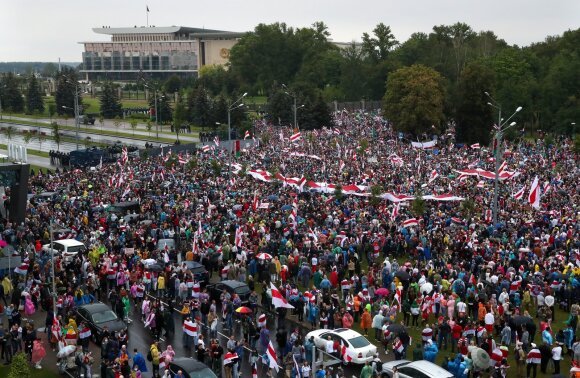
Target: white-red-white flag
[278,299]
[216,141]
[295,137]
[246,134]
[519,194]
[272,359]
[410,222]
[534,196]
[254,370]
[341,165]
[238,238]
[475,146]
[433,176]
[206,148]
[395,212]
[255,201]
[480,184]
[502,167]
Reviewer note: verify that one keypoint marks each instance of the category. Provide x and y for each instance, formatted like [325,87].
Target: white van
[68,248]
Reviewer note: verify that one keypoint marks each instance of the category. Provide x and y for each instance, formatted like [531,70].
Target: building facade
[158,52]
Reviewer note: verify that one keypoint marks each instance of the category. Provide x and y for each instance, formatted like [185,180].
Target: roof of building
[164,30]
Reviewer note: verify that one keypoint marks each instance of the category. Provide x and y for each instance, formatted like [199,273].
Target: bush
[139,116]
[20,367]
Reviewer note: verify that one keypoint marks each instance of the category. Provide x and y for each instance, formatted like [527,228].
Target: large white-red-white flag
[534,196]
[475,146]
[238,238]
[278,299]
[272,359]
[395,212]
[410,222]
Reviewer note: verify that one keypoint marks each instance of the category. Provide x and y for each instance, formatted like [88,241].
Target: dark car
[123,208]
[200,274]
[231,286]
[97,316]
[190,368]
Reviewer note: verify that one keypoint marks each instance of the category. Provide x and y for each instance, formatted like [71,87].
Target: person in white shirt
[329,347]
[461,307]
[557,356]
[306,370]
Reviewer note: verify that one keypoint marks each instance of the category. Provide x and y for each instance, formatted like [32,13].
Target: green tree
[49,70]
[474,116]
[201,111]
[56,136]
[219,111]
[41,138]
[164,111]
[376,191]
[172,84]
[149,126]
[380,45]
[34,100]
[19,368]
[66,85]
[27,137]
[133,123]
[51,109]
[418,206]
[279,108]
[110,103]
[9,132]
[12,100]
[315,114]
[179,116]
[352,80]
[414,99]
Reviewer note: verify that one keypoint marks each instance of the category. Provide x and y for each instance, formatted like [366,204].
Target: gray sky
[44,30]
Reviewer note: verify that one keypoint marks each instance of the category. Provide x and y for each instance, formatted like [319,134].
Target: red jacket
[456,331]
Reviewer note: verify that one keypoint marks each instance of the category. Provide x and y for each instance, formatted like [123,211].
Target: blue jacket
[139,361]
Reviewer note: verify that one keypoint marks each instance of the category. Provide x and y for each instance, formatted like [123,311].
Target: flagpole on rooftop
[147,11]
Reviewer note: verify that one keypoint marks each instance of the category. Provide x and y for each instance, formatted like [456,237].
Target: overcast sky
[44,30]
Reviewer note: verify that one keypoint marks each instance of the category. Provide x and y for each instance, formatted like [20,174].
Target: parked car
[231,286]
[415,369]
[123,208]
[190,368]
[200,274]
[68,248]
[357,346]
[97,316]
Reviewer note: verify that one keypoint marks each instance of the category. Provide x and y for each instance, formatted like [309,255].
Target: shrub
[20,367]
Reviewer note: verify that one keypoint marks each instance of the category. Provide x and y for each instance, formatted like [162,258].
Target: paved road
[109,125]
[48,144]
[140,338]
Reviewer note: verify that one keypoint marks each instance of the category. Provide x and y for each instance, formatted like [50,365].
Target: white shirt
[489,318]
[329,346]
[557,353]
[461,307]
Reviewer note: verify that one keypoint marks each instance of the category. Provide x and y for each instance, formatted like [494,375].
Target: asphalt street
[140,338]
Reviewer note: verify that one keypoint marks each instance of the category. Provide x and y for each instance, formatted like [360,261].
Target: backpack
[79,359]
[149,356]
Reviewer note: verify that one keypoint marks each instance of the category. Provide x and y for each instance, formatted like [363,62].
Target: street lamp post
[497,151]
[231,107]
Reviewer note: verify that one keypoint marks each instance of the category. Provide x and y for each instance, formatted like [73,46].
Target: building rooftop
[164,30]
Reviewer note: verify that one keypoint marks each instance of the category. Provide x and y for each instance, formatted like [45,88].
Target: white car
[68,248]
[357,346]
[415,369]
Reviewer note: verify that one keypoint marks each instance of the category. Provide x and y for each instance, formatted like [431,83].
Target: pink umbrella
[3,243]
[382,292]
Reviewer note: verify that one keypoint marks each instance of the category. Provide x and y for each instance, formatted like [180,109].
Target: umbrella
[397,329]
[427,287]
[286,207]
[263,256]
[3,243]
[273,197]
[154,267]
[382,292]
[308,294]
[149,261]
[403,275]
[519,320]
[244,310]
[479,357]
[66,351]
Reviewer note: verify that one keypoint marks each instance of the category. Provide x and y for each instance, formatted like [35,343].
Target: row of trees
[12,99]
[457,62]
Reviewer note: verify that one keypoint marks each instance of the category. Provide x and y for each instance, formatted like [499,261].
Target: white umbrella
[479,357]
[149,261]
[66,351]
[264,256]
[427,287]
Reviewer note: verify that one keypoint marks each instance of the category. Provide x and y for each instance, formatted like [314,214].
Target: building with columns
[158,52]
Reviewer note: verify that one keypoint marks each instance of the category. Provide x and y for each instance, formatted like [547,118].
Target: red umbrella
[244,310]
[264,256]
[308,294]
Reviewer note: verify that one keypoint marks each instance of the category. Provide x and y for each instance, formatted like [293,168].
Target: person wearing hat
[533,359]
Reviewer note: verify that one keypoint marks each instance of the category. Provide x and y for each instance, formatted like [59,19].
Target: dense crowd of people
[352,224]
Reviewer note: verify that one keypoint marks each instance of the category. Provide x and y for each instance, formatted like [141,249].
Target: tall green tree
[179,116]
[380,44]
[164,111]
[352,80]
[34,100]
[414,99]
[279,108]
[474,116]
[219,111]
[11,96]
[56,136]
[110,103]
[172,84]
[66,85]
[201,112]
